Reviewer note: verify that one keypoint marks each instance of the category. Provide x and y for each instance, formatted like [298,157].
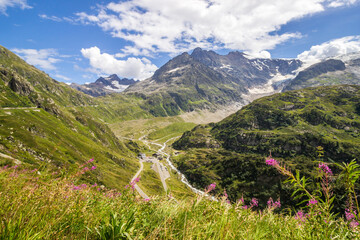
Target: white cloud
[340,3]
[4,4]
[43,58]
[174,26]
[62,77]
[52,18]
[55,18]
[331,48]
[104,63]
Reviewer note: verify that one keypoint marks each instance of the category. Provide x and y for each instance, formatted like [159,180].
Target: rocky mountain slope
[206,80]
[104,85]
[42,123]
[291,125]
[249,71]
[340,70]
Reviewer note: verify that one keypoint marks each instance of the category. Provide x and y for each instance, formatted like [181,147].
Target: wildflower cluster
[273,205]
[350,216]
[133,183]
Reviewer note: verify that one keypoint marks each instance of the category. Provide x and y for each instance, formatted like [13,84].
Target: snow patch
[268,88]
[176,69]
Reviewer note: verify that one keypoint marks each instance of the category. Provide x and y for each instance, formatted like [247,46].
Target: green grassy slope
[57,131]
[290,125]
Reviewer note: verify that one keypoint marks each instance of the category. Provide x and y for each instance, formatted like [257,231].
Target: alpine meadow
[193,119]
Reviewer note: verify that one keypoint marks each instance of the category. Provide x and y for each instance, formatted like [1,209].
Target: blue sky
[78,41]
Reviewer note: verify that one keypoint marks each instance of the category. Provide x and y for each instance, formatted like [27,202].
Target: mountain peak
[196,50]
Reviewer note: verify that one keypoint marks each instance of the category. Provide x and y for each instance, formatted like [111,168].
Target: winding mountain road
[138,189]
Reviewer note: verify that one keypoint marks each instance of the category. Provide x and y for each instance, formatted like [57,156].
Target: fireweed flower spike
[271,162]
[210,187]
[325,169]
[312,202]
[254,202]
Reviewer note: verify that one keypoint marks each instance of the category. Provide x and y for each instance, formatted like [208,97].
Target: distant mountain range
[339,70]
[207,80]
[104,85]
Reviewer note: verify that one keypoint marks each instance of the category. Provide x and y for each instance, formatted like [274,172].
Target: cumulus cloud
[104,63]
[4,4]
[331,48]
[43,58]
[174,26]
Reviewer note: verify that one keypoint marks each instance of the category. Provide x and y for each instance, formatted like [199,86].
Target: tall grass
[56,206]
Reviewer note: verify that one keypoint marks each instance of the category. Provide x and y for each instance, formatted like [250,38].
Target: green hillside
[47,124]
[291,125]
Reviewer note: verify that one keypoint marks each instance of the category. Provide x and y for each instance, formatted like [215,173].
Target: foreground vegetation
[40,205]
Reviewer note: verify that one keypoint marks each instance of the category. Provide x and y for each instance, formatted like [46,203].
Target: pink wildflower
[210,187]
[225,194]
[325,168]
[254,202]
[354,224]
[15,167]
[241,200]
[146,199]
[86,169]
[271,162]
[312,202]
[91,160]
[93,167]
[94,185]
[277,204]
[300,216]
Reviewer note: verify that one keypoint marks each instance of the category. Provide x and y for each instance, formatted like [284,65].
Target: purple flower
[86,169]
[83,186]
[225,194]
[254,202]
[353,224]
[93,167]
[210,187]
[272,204]
[312,202]
[271,162]
[94,185]
[15,167]
[146,199]
[241,200]
[91,160]
[277,204]
[76,188]
[300,216]
[349,216]
[325,168]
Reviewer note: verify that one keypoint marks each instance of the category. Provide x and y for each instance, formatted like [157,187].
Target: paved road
[138,189]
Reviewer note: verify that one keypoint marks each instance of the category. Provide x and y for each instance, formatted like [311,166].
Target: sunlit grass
[55,206]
